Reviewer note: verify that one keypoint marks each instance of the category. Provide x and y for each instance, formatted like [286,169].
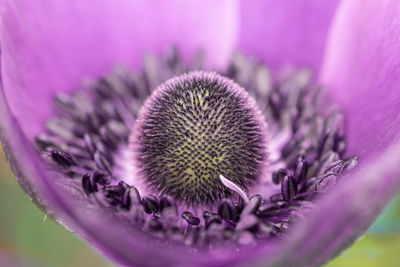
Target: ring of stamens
[85,144]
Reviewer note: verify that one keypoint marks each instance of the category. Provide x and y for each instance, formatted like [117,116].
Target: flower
[351,45]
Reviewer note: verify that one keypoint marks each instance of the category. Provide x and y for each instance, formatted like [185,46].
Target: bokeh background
[28,238]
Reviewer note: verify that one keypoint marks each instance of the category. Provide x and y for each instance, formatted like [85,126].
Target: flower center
[197,137]
[193,129]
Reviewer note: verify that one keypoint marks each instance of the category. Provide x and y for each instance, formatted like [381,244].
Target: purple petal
[335,224]
[51,45]
[286,32]
[362,73]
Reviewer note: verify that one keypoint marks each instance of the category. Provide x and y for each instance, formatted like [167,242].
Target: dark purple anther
[126,199]
[268,210]
[226,209]
[190,218]
[276,198]
[301,169]
[278,175]
[88,184]
[124,185]
[62,158]
[114,191]
[206,214]
[101,178]
[211,218]
[335,167]
[288,188]
[114,194]
[119,192]
[150,204]
[239,206]
[253,205]
[101,162]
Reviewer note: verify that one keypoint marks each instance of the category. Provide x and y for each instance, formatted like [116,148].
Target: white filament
[234,187]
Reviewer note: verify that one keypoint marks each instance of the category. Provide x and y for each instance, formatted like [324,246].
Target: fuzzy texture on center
[194,128]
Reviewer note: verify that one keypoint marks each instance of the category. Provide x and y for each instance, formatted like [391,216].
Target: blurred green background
[30,239]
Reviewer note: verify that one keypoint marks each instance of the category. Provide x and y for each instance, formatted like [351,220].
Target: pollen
[194,128]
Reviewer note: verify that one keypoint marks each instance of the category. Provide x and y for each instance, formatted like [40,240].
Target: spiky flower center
[87,146]
[193,129]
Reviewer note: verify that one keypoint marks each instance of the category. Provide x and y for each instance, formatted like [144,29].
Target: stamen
[288,188]
[232,186]
[62,158]
[226,209]
[190,218]
[150,204]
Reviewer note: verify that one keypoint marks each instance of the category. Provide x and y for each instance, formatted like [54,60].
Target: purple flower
[351,46]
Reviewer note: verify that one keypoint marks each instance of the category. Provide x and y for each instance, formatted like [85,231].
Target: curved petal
[362,73]
[286,32]
[51,45]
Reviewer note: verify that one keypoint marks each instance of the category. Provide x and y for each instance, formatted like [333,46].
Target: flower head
[80,172]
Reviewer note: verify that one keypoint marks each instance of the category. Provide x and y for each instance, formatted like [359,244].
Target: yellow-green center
[194,128]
